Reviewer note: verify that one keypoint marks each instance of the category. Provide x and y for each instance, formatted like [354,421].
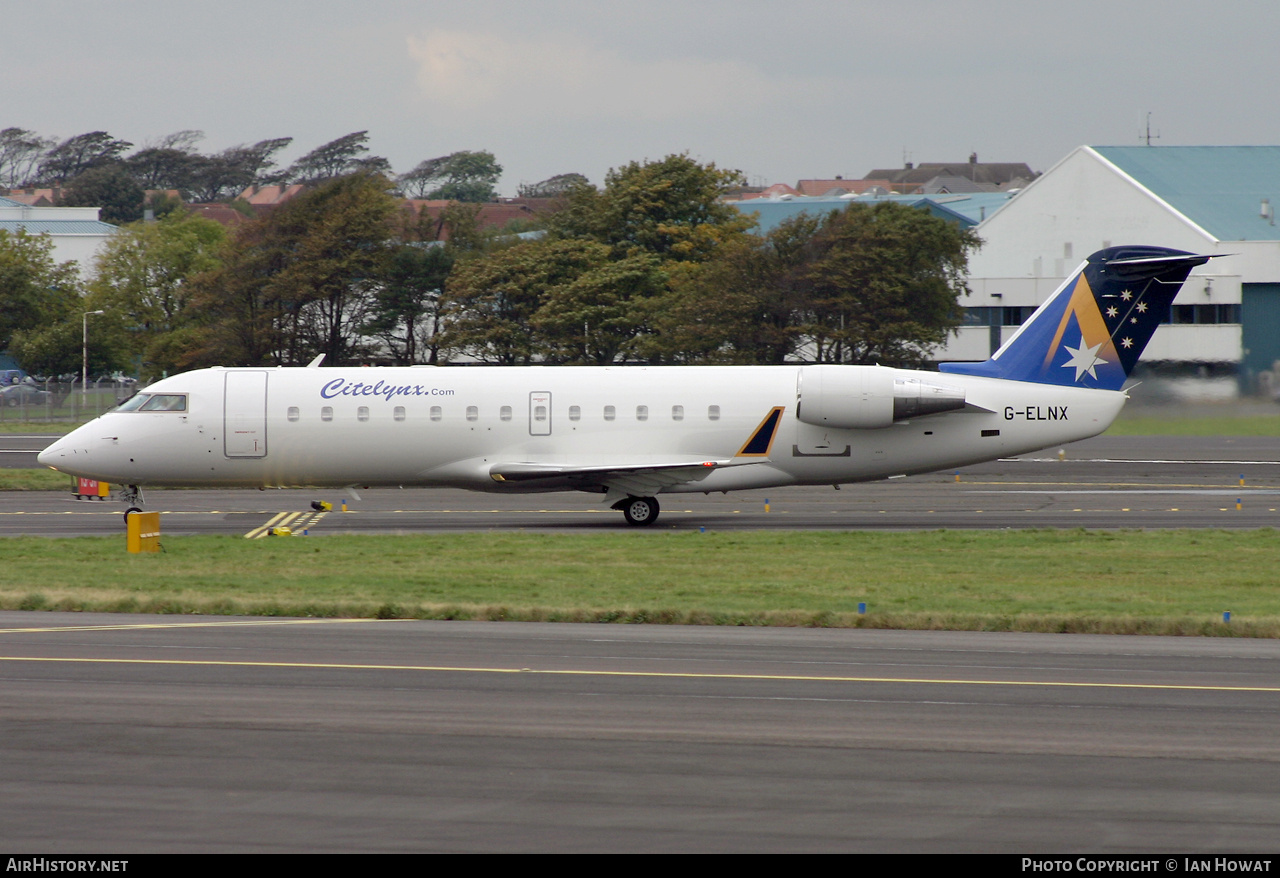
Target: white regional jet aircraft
[631,433]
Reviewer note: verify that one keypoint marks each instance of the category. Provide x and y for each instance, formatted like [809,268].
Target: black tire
[640,511]
[130,511]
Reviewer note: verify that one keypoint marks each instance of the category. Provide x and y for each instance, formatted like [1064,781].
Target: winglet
[1092,330]
[762,439]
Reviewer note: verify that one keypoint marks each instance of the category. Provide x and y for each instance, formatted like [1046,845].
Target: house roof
[271,195]
[768,192]
[824,187]
[1219,188]
[58,227]
[219,213]
[491,214]
[966,210]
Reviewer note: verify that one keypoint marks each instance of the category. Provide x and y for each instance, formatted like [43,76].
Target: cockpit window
[165,402]
[155,402]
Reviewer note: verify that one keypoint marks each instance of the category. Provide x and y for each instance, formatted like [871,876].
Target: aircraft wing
[621,479]
[633,479]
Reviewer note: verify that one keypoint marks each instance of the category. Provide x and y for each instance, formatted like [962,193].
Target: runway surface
[1106,482]
[125,734]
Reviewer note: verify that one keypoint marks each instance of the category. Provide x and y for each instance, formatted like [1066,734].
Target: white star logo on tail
[1084,359]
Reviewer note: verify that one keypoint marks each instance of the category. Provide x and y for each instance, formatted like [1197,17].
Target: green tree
[553,187]
[882,284]
[596,289]
[78,154]
[741,305]
[867,284]
[58,348]
[20,154]
[142,278]
[669,208]
[110,187]
[345,155]
[603,315]
[228,173]
[35,291]
[164,168]
[550,301]
[460,176]
[299,281]
[404,312]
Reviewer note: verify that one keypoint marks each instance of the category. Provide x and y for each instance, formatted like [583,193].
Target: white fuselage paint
[366,441]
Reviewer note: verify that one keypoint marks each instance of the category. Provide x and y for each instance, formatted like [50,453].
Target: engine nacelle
[868,397]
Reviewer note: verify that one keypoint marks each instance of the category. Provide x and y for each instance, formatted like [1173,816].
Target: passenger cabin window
[436,414]
[362,413]
[609,413]
[575,413]
[539,412]
[326,413]
[713,412]
[294,413]
[642,413]
[677,413]
[398,413]
[473,413]
[505,413]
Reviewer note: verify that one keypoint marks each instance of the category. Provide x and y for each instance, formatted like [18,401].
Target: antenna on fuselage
[315,364]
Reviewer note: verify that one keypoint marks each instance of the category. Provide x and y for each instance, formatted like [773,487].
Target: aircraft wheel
[130,511]
[641,511]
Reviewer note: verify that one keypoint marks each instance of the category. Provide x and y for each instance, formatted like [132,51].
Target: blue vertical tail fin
[1092,330]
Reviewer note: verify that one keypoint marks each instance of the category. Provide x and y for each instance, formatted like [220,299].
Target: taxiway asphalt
[1106,482]
[127,734]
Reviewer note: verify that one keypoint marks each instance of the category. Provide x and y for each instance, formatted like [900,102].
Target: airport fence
[62,402]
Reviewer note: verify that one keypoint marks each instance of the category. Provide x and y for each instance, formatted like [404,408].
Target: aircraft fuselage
[451,426]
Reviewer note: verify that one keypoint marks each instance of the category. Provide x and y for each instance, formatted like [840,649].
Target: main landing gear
[639,511]
[132,495]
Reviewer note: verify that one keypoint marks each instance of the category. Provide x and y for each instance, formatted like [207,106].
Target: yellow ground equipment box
[143,532]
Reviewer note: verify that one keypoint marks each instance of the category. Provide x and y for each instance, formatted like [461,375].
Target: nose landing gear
[132,495]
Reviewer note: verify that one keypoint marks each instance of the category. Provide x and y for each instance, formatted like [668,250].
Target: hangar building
[1206,199]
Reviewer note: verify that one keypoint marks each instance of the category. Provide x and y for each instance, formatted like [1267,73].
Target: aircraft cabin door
[245,414]
[540,413]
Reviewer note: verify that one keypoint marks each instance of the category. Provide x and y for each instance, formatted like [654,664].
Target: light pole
[84,358]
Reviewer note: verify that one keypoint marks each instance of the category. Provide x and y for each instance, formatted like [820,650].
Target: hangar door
[245,414]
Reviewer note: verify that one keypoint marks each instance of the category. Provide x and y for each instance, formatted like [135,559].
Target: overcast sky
[779,90]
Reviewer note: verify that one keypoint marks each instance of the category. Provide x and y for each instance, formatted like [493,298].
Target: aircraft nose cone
[68,454]
[52,453]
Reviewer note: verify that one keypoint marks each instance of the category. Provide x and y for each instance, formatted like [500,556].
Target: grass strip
[1135,582]
[35,480]
[1246,425]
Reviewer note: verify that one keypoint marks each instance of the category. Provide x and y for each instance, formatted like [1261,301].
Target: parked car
[24,394]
